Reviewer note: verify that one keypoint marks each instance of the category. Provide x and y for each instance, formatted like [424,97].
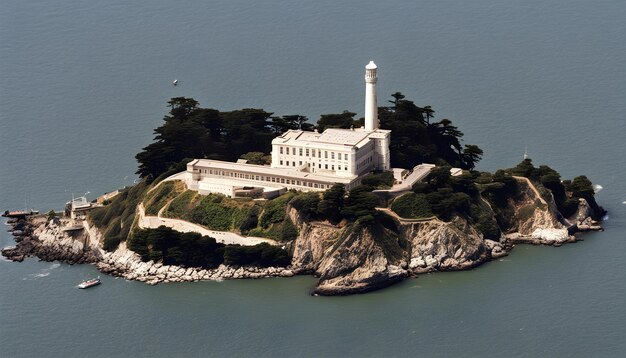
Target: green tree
[193,132]
[397,97]
[297,121]
[258,158]
[343,120]
[307,203]
[524,169]
[416,139]
[332,203]
[472,154]
[359,203]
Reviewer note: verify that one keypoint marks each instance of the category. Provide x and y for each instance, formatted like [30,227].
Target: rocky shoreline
[51,241]
[345,261]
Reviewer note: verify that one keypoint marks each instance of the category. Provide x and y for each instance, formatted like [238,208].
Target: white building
[304,160]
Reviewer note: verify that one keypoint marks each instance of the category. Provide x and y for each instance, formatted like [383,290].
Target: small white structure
[304,160]
[78,207]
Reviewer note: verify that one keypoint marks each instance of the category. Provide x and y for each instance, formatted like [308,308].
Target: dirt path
[532,186]
[404,220]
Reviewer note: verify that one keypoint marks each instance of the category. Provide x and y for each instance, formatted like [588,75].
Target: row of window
[311,152]
[365,162]
[269,179]
[319,166]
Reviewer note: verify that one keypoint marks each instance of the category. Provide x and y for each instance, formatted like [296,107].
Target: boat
[175,82]
[89,283]
[19,214]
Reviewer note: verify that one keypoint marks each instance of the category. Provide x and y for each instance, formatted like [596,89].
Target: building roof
[267,170]
[336,138]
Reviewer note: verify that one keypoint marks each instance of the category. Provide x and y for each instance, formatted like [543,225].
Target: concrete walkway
[417,174]
[226,237]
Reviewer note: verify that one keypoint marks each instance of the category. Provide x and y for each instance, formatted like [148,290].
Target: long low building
[241,179]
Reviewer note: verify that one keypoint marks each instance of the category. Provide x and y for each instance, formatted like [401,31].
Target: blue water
[82,85]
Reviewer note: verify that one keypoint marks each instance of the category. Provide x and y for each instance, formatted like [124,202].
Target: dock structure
[19,214]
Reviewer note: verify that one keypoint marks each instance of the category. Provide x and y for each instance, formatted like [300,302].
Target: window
[319,166]
[307,152]
[326,154]
[300,163]
[282,180]
[332,155]
[313,153]
[300,152]
[345,156]
[280,149]
[333,167]
[325,166]
[345,168]
[281,162]
[293,164]
[287,150]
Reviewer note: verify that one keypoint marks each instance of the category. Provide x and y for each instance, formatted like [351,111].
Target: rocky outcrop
[533,220]
[583,218]
[348,258]
[444,246]
[51,241]
[358,263]
[127,264]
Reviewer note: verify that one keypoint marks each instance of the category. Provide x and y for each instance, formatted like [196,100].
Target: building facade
[304,160]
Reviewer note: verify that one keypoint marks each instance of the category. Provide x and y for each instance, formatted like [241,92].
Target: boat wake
[597,188]
[42,273]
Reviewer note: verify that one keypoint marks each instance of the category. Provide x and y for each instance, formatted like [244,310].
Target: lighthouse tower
[371,105]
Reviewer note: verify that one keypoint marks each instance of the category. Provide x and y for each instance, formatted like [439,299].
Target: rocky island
[362,218]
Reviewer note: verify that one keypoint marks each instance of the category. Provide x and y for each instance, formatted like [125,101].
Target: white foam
[597,188]
[43,274]
[624,202]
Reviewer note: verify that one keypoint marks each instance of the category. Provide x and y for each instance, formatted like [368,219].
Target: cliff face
[351,259]
[530,211]
[359,259]
[348,258]
[454,245]
[529,218]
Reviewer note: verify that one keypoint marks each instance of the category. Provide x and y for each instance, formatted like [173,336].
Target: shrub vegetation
[116,219]
[194,250]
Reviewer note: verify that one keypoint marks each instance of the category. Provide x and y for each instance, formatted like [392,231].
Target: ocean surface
[83,84]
